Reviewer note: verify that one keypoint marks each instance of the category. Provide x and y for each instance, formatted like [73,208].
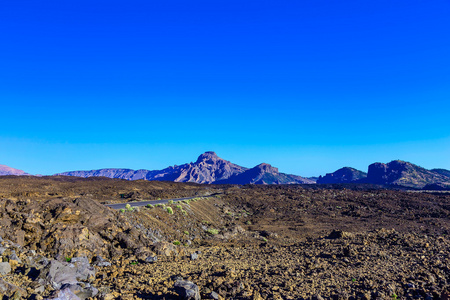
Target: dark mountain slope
[265,174]
[403,173]
[343,175]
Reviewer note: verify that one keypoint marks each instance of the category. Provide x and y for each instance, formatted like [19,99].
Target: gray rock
[194,256]
[101,262]
[82,292]
[64,294]
[187,290]
[58,273]
[2,250]
[14,256]
[214,296]
[151,259]
[81,259]
[5,268]
[84,271]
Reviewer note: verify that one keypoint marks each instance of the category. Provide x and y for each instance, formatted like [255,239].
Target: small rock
[64,294]
[187,290]
[101,262]
[5,268]
[214,296]
[151,259]
[194,256]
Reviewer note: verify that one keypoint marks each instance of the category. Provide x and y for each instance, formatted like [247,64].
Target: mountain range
[395,173]
[211,169]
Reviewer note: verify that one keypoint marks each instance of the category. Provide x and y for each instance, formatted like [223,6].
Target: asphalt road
[153,202]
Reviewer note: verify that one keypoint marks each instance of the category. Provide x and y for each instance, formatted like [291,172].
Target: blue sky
[308,86]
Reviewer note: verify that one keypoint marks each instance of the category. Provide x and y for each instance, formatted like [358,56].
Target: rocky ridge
[264,174]
[343,175]
[403,173]
[209,168]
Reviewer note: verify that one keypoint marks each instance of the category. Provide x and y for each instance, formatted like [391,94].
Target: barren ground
[252,242]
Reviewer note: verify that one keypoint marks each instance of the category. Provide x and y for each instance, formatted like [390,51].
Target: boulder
[63,294]
[5,268]
[187,290]
[58,274]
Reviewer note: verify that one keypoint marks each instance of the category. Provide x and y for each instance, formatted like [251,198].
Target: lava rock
[151,259]
[187,290]
[5,268]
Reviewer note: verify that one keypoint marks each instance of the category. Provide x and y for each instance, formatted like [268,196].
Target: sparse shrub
[128,207]
[122,210]
[183,212]
[249,223]
[176,243]
[170,210]
[68,258]
[133,263]
[149,206]
[186,232]
[179,206]
[264,239]
[170,201]
[212,231]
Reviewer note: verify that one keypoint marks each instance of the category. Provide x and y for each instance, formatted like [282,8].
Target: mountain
[5,170]
[343,175]
[403,173]
[209,168]
[264,174]
[442,172]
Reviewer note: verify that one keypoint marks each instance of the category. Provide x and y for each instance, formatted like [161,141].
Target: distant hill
[403,173]
[209,168]
[264,174]
[5,170]
[343,175]
[442,172]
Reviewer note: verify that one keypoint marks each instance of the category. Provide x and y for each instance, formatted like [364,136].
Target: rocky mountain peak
[209,157]
[267,168]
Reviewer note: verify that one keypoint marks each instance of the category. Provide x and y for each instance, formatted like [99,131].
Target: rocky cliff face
[403,173]
[5,170]
[343,175]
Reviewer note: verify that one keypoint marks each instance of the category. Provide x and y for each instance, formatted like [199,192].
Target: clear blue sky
[307,86]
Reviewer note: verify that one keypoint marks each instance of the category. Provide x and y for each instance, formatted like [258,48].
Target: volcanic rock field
[58,240]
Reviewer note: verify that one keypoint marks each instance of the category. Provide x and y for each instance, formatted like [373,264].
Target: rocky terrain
[58,241]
